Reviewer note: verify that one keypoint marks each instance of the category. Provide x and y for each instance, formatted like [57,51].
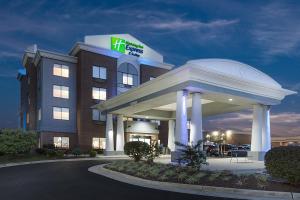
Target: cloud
[282,124]
[7,54]
[277,29]
[180,24]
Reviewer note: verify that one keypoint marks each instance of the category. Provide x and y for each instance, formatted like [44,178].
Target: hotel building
[111,89]
[58,90]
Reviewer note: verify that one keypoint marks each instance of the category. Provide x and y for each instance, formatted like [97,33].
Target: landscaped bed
[188,175]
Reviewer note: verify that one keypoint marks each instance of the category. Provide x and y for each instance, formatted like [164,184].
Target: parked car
[246,147]
[211,150]
[237,153]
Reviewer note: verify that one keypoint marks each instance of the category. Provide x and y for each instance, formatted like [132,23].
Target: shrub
[76,152]
[51,153]
[192,155]
[14,142]
[136,150]
[99,151]
[41,151]
[284,162]
[152,151]
[48,146]
[93,153]
[60,153]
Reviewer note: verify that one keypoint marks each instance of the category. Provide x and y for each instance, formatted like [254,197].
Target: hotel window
[127,75]
[61,142]
[99,72]
[99,93]
[61,70]
[97,115]
[98,143]
[60,91]
[127,79]
[60,113]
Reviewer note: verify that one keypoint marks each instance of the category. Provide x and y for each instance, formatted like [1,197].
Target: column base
[175,155]
[113,153]
[256,155]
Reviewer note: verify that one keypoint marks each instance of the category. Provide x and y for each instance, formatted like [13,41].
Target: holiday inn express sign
[124,44]
[126,47]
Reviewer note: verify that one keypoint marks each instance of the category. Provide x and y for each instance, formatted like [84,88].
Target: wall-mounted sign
[126,47]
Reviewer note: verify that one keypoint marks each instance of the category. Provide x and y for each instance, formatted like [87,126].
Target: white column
[256,137]
[181,134]
[171,135]
[196,119]
[120,134]
[109,133]
[266,132]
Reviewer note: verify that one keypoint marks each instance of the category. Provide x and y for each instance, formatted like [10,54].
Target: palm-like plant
[192,155]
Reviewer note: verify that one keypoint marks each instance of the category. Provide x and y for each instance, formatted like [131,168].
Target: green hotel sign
[126,47]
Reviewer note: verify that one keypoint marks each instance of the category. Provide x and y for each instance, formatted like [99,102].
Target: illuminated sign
[126,47]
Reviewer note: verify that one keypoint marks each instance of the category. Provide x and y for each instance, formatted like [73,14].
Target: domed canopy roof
[236,70]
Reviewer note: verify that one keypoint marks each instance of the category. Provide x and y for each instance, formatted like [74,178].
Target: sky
[263,34]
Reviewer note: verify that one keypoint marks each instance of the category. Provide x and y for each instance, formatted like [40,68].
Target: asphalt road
[72,181]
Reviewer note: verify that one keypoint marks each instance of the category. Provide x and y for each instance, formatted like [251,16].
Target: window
[39,114]
[99,93]
[127,79]
[61,70]
[99,72]
[98,143]
[61,91]
[61,142]
[98,116]
[60,113]
[151,78]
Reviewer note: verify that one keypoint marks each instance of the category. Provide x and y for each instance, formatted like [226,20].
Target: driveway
[72,181]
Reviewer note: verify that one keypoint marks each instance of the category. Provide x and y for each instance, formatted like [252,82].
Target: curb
[57,160]
[195,189]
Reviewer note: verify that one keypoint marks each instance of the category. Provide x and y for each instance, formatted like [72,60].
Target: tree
[192,155]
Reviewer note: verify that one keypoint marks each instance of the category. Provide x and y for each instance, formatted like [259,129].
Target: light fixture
[230,99]
[215,133]
[228,133]
[147,117]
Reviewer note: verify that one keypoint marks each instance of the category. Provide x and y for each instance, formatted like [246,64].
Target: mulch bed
[210,178]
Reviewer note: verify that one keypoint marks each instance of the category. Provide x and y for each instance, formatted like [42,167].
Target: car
[246,147]
[211,150]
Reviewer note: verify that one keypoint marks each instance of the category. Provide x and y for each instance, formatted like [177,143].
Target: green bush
[60,153]
[284,162]
[93,153]
[51,153]
[76,152]
[41,151]
[15,141]
[136,150]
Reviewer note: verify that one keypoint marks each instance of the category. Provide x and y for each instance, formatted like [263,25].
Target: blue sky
[264,34]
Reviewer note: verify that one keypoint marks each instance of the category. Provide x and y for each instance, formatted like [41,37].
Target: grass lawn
[187,175]
[23,158]
[33,157]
